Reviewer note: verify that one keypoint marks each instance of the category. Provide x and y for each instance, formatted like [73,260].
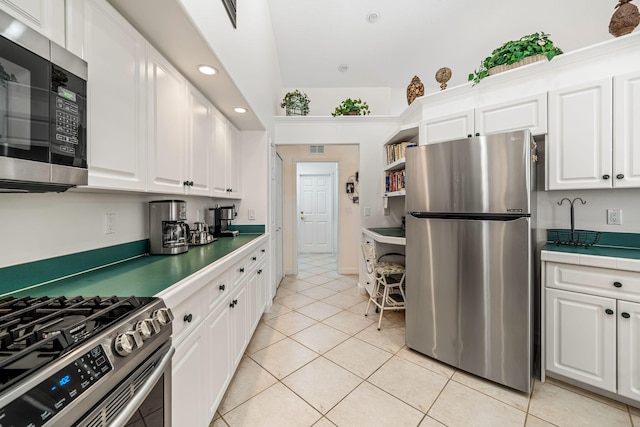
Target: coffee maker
[219,219]
[168,230]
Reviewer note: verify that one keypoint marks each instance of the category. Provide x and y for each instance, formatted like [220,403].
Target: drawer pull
[233,303]
[260,271]
[222,287]
[626,315]
[263,250]
[620,176]
[241,269]
[254,258]
[188,318]
[606,176]
[617,284]
[609,311]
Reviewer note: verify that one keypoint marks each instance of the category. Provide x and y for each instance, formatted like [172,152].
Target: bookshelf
[394,156]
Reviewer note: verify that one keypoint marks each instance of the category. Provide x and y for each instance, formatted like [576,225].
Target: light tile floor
[316,360]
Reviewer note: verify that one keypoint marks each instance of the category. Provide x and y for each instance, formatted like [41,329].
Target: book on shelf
[396,151]
[394,181]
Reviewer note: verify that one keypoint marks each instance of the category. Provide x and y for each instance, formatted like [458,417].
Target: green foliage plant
[514,51]
[351,107]
[296,103]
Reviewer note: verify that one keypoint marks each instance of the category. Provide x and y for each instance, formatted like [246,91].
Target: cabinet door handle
[188,318]
[617,284]
[477,133]
[222,287]
[606,176]
[260,271]
[609,311]
[263,250]
[241,269]
[626,315]
[235,302]
[469,136]
[620,176]
[254,258]
[232,304]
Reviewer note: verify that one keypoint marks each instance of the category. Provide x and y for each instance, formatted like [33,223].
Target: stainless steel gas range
[85,361]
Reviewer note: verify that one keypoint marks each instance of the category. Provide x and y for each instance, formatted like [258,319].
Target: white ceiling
[417,37]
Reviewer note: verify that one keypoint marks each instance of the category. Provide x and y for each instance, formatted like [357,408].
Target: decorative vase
[415,89]
[351,113]
[524,61]
[625,19]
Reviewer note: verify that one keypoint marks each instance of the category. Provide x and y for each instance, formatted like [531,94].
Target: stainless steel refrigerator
[469,256]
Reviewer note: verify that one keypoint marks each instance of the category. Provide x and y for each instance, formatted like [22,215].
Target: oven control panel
[37,406]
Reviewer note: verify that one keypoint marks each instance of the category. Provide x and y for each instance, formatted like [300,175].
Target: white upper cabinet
[528,113]
[234,162]
[45,16]
[200,145]
[226,159]
[116,130]
[523,113]
[579,147]
[220,145]
[626,137]
[166,125]
[455,126]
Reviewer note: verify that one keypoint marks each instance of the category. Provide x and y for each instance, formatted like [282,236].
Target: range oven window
[24,103]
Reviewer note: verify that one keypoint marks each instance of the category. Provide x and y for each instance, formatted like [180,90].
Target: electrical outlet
[367,211]
[110,223]
[614,216]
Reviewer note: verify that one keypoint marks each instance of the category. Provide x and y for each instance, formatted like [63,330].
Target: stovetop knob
[163,316]
[146,328]
[123,344]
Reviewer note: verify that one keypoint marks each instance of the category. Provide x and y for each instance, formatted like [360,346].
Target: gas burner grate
[36,331]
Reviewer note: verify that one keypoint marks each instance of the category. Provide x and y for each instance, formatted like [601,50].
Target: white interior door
[315,213]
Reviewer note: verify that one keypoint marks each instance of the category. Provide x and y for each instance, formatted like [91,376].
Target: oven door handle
[127,412]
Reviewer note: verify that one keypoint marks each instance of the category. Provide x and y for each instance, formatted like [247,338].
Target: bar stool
[388,287]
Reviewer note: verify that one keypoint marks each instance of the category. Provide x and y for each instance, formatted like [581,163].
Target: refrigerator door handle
[469,217]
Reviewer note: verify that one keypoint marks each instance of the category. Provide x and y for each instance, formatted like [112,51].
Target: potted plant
[526,50]
[296,103]
[351,107]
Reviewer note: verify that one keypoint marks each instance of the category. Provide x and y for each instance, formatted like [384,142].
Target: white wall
[382,101]
[593,215]
[248,53]
[40,226]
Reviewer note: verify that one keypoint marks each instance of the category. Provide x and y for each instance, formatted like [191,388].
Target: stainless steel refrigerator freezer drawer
[469,295]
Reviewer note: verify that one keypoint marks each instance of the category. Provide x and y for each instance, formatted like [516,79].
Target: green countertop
[615,252]
[389,231]
[144,276]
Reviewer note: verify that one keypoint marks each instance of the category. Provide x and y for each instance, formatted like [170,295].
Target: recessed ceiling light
[343,68]
[240,110]
[207,69]
[372,17]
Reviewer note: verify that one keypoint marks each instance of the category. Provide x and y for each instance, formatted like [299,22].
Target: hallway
[315,360]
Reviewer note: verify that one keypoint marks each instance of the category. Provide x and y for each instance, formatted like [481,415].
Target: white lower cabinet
[581,338]
[240,309]
[592,326]
[218,358]
[629,350]
[215,316]
[188,384]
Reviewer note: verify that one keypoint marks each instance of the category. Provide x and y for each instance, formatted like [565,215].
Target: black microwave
[43,119]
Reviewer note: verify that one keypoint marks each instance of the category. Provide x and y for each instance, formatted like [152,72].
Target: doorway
[317,207]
